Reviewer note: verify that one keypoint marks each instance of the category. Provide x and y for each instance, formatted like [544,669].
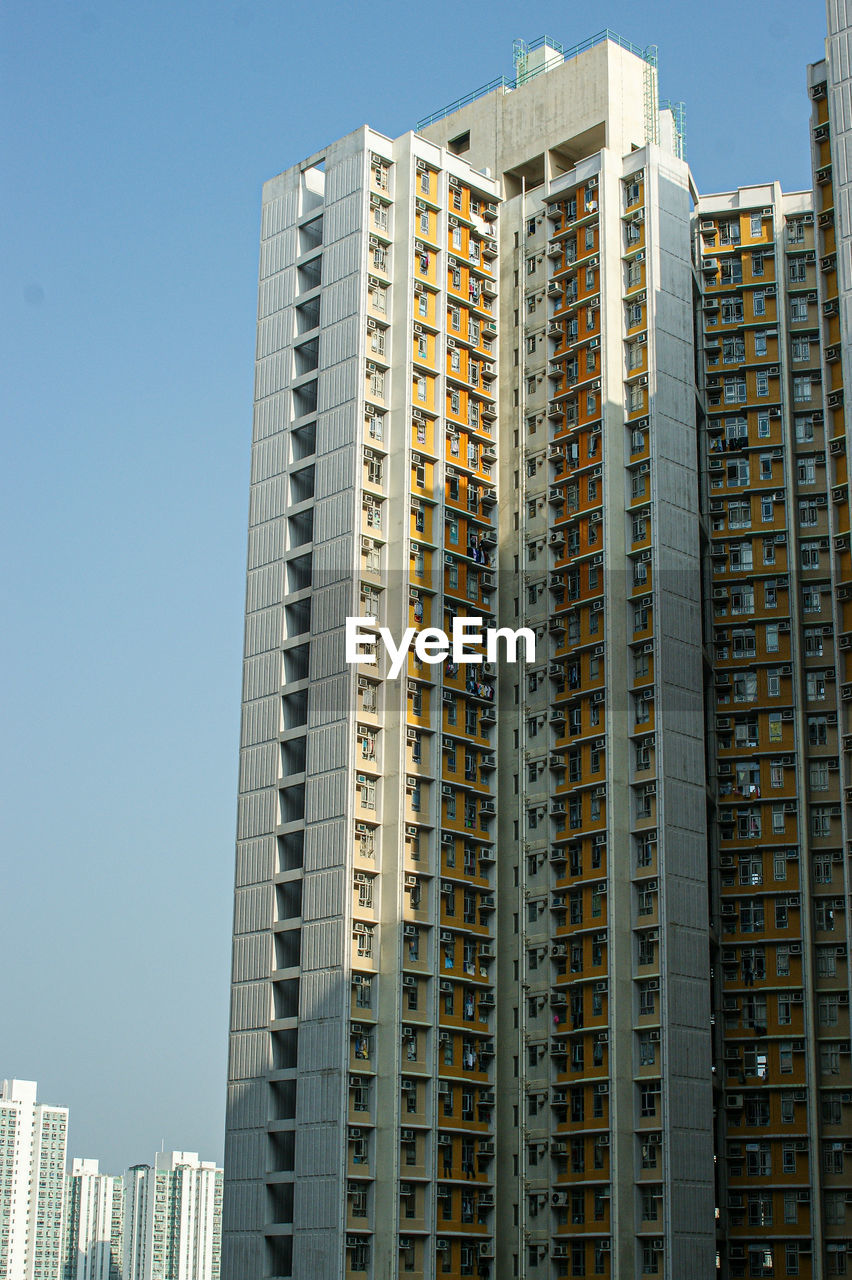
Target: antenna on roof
[519,57]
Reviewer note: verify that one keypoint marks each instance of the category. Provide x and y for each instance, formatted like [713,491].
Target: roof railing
[507,84]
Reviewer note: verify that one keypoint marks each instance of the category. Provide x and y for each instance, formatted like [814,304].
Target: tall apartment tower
[780,950]
[172,1219]
[605,955]
[468,1042]
[93,1223]
[32,1175]
[367,812]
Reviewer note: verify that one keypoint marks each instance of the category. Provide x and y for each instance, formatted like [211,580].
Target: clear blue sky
[137,139]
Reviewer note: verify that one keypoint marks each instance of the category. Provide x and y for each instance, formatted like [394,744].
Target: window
[647,999]
[808,512]
[749,823]
[759,1209]
[732,271]
[832,1157]
[739,515]
[744,644]
[364,999]
[813,641]
[801,388]
[832,1110]
[647,1052]
[824,916]
[365,948]
[759,1160]
[365,892]
[812,603]
[797,270]
[752,918]
[745,688]
[649,1098]
[733,350]
[758,299]
[815,679]
[742,599]
[648,1154]
[810,555]
[735,389]
[798,310]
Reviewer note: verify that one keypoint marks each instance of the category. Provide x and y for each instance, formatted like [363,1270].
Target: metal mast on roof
[652,113]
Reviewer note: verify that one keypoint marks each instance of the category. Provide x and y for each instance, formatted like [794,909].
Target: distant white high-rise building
[32,1170]
[172,1219]
[93,1224]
